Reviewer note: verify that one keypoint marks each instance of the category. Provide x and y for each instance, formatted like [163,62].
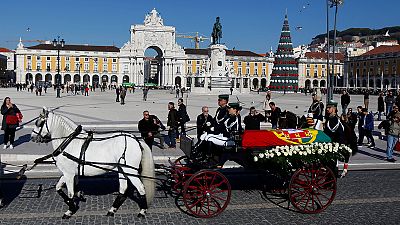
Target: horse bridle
[43,123]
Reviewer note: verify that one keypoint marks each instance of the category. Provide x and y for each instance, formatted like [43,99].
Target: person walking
[344,101]
[183,117]
[145,92]
[204,122]
[360,116]
[172,124]
[117,92]
[11,118]
[231,89]
[366,99]
[177,92]
[253,120]
[392,137]
[86,90]
[389,101]
[147,128]
[40,90]
[275,115]
[122,94]
[368,127]
[58,91]
[397,99]
[381,106]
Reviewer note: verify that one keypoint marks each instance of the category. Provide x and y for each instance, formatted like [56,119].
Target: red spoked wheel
[181,161]
[312,189]
[180,173]
[206,194]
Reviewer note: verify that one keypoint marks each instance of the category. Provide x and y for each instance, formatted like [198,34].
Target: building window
[365,63]
[198,62]
[38,65]
[86,66]
[48,58]
[255,64]
[114,67]
[114,60]
[323,66]
[308,73]
[67,66]
[247,71]
[323,73]
[190,62]
[48,66]
[67,58]
[247,64]
[77,59]
[379,63]
[86,59]
[240,71]
[29,65]
[37,57]
[256,71]
[95,67]
[263,64]
[178,69]
[263,71]
[371,63]
[189,70]
[104,59]
[308,65]
[29,57]
[315,74]
[240,64]
[105,67]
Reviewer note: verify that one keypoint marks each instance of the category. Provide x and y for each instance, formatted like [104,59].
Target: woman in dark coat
[381,106]
[8,109]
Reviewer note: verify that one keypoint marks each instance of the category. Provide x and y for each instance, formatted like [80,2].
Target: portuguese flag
[271,138]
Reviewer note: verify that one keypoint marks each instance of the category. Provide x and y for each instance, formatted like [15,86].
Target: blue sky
[247,24]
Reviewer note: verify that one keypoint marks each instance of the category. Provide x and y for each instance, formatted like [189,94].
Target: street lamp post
[331,3]
[58,44]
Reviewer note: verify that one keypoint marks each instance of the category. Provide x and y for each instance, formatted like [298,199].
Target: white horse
[118,151]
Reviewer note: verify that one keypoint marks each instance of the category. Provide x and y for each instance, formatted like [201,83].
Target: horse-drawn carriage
[302,162]
[308,181]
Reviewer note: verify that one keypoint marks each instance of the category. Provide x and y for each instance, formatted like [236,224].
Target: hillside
[361,32]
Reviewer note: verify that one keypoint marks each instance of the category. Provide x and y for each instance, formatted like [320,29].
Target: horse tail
[147,166]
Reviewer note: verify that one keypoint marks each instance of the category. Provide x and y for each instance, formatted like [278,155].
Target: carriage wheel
[312,189]
[181,161]
[179,173]
[206,194]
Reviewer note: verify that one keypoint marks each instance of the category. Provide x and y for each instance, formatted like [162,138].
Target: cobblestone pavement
[363,197]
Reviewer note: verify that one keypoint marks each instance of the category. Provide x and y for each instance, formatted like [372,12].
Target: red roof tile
[77,48]
[322,55]
[5,50]
[382,50]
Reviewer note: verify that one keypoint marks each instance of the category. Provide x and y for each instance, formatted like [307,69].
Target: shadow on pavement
[10,187]
[22,139]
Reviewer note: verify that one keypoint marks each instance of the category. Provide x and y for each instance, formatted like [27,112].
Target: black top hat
[331,104]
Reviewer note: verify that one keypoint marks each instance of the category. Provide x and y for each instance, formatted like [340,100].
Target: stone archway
[378,83]
[104,79]
[255,83]
[178,81]
[77,78]
[67,78]
[364,83]
[48,78]
[38,77]
[153,64]
[315,83]
[307,84]
[152,34]
[322,83]
[125,79]
[263,83]
[114,79]
[385,83]
[86,78]
[95,80]
[28,78]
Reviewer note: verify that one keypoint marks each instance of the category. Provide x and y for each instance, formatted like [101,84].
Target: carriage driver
[230,125]
[222,111]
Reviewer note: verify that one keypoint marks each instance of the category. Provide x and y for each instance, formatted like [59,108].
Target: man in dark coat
[360,116]
[368,127]
[147,128]
[381,106]
[334,128]
[117,92]
[183,117]
[275,115]
[172,124]
[253,120]
[204,122]
[344,101]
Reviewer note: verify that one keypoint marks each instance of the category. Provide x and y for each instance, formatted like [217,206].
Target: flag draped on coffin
[270,138]
[284,76]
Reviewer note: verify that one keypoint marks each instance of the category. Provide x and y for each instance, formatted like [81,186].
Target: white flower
[278,154]
[285,154]
[271,155]
[255,159]
[309,151]
[319,151]
[300,153]
[304,153]
[261,155]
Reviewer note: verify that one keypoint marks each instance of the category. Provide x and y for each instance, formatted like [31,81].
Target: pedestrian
[397,99]
[45,88]
[182,91]
[231,89]
[344,101]
[145,92]
[317,109]
[392,137]
[360,116]
[147,128]
[86,90]
[40,90]
[183,117]
[368,127]
[117,93]
[253,120]
[204,122]
[122,94]
[274,115]
[172,124]
[58,91]
[381,106]
[11,118]
[393,112]
[177,92]
[389,101]
[349,132]
[158,134]
[366,99]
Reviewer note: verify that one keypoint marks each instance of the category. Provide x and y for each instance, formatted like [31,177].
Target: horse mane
[66,122]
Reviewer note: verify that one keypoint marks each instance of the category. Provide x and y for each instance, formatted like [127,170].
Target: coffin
[270,138]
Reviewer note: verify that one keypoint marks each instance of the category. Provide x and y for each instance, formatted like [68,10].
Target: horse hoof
[111,214]
[140,215]
[65,217]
